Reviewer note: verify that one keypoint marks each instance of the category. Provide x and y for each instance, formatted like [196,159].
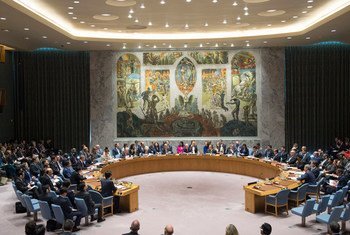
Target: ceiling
[148,24]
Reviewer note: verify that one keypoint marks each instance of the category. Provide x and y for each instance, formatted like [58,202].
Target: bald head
[168,230]
[135,226]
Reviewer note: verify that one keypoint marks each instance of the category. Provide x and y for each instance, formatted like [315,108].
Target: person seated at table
[134,228]
[268,153]
[180,148]
[108,189]
[308,177]
[244,150]
[67,208]
[292,158]
[166,149]
[91,206]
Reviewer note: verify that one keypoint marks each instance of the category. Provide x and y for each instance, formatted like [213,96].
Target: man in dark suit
[108,189]
[134,228]
[67,208]
[91,206]
[308,177]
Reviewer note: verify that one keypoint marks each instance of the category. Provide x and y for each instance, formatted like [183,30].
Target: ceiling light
[82,22]
[232,45]
[142,6]
[206,24]
[201,45]
[76,2]
[154,46]
[129,16]
[131,11]
[166,25]
[108,45]
[70,13]
[216,45]
[238,18]
[246,13]
[139,47]
[245,8]
[289,38]
[70,8]
[85,42]
[169,46]
[304,12]
[162,2]
[92,25]
[68,43]
[74,17]
[44,37]
[215,1]
[309,7]
[248,45]
[26,38]
[186,26]
[333,30]
[150,23]
[26,29]
[307,38]
[295,17]
[2,18]
[224,22]
[234,3]
[136,20]
[185,45]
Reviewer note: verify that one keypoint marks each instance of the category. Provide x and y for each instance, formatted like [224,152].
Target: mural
[225,105]
[160,58]
[210,57]
[156,95]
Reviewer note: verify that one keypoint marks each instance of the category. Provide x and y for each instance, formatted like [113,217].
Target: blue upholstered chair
[45,210]
[277,201]
[59,216]
[315,189]
[298,195]
[81,206]
[32,205]
[328,218]
[321,206]
[106,202]
[304,211]
[335,200]
[345,216]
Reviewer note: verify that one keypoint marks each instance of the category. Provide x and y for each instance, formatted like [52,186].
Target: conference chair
[277,201]
[298,195]
[321,206]
[45,210]
[81,206]
[345,216]
[335,200]
[59,216]
[32,206]
[106,202]
[304,211]
[329,218]
[315,189]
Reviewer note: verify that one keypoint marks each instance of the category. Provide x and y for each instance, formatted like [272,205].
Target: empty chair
[335,200]
[304,211]
[328,218]
[106,202]
[298,195]
[32,206]
[321,206]
[345,216]
[45,210]
[315,189]
[59,216]
[277,201]
[81,206]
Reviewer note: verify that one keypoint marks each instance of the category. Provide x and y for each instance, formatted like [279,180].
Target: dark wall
[7,114]
[52,90]
[317,94]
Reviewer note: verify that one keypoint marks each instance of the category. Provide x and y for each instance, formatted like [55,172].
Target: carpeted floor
[193,202]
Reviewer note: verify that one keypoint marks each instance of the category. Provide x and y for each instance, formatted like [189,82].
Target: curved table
[258,168]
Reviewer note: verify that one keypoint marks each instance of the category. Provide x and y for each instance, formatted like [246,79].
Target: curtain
[317,94]
[52,97]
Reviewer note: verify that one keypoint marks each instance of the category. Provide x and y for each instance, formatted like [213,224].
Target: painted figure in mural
[235,111]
